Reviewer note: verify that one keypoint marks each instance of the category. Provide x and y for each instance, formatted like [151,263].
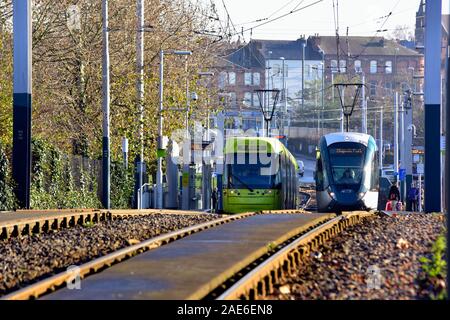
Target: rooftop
[369,46]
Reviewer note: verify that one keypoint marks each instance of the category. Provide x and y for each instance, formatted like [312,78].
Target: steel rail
[260,280]
[33,225]
[52,283]
[51,220]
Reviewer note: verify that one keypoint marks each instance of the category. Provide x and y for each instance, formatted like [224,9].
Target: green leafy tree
[7,199]
[5,88]
[122,186]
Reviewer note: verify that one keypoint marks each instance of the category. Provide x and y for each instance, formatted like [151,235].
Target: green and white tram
[260,174]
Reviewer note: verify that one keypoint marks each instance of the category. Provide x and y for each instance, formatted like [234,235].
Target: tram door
[318,174]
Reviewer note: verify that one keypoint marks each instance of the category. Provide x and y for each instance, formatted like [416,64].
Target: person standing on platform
[413,197]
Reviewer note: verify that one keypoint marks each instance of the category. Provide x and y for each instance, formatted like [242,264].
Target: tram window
[374,185]
[347,163]
[247,175]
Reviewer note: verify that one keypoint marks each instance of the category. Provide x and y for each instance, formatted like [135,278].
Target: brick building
[240,73]
[387,65]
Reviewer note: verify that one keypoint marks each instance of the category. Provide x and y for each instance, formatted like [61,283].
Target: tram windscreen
[347,162]
[251,176]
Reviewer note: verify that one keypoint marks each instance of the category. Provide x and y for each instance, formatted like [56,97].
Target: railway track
[237,259]
[56,281]
[260,281]
[27,222]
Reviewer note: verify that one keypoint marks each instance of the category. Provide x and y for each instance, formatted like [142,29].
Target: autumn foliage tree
[67,71]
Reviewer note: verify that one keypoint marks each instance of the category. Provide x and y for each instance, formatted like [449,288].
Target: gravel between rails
[31,258]
[377,259]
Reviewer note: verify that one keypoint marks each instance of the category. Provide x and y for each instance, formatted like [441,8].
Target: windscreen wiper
[242,182]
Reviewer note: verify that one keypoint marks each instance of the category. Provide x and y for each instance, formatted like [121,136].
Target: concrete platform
[191,267]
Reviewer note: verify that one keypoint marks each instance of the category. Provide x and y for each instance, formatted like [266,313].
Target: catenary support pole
[303,73]
[159,172]
[381,139]
[364,105]
[106,158]
[396,142]
[407,161]
[322,114]
[433,33]
[447,159]
[402,151]
[140,91]
[186,196]
[22,83]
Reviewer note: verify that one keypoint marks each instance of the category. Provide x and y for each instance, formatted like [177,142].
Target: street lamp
[206,165]
[303,73]
[364,102]
[161,144]
[323,87]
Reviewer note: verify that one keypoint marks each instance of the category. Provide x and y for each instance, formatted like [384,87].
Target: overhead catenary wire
[229,19]
[269,16]
[376,33]
[279,17]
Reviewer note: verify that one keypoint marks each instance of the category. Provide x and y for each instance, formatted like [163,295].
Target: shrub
[7,198]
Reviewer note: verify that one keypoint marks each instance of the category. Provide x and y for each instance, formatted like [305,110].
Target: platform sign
[420,168]
[402,174]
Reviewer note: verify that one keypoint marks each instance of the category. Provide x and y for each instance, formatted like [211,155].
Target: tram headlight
[269,192]
[331,194]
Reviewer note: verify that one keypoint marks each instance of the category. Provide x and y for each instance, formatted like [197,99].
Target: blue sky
[363,17]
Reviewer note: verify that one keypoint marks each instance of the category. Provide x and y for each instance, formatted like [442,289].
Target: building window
[388,86]
[276,70]
[342,66]
[373,66]
[232,78]
[286,68]
[388,67]
[248,99]
[334,67]
[255,100]
[308,71]
[358,67]
[256,79]
[222,79]
[233,99]
[373,88]
[248,79]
